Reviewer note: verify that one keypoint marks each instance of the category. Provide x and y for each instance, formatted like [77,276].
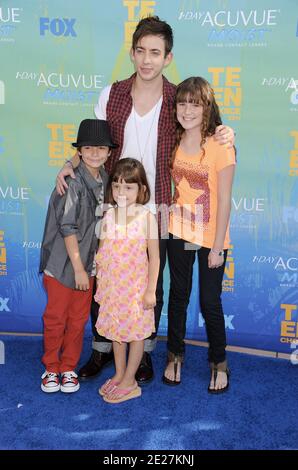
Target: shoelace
[51,377]
[69,376]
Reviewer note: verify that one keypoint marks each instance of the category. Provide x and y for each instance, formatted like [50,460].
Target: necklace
[141,154]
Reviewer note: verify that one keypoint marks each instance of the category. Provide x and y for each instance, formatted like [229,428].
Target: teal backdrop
[55,58]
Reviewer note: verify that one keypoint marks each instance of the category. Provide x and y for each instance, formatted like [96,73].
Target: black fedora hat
[94,132]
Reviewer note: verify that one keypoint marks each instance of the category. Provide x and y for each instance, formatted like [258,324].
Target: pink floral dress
[122,280]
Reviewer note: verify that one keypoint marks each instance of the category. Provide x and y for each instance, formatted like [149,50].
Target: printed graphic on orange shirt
[227,90]
[60,148]
[289,326]
[190,212]
[193,180]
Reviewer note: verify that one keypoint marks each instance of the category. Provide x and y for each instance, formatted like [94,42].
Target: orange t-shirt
[193,214]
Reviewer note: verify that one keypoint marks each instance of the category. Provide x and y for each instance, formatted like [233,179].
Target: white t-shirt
[140,137]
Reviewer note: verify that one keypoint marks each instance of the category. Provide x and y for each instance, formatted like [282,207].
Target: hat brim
[94,144]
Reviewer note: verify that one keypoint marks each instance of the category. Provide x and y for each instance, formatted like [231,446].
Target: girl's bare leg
[136,349]
[120,360]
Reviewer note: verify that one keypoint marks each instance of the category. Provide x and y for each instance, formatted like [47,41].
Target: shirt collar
[89,180]
[127,86]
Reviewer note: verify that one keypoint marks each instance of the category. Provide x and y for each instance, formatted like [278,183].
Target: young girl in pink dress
[128,265]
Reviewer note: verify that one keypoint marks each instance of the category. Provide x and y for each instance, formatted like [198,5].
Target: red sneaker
[69,382]
[50,382]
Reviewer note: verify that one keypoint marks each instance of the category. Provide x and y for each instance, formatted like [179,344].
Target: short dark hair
[153,25]
[131,171]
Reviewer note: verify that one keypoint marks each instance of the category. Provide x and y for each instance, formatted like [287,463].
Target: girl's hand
[82,280]
[225,135]
[149,299]
[215,260]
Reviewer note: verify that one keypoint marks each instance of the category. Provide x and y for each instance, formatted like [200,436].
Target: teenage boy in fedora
[140,113]
[67,257]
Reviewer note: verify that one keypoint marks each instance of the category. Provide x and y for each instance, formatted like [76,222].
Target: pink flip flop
[123,394]
[107,387]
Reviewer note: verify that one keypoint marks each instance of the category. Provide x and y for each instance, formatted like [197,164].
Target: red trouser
[65,316]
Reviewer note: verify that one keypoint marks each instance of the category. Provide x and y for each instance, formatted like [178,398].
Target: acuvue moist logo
[286,268]
[10,19]
[287,85]
[13,199]
[234,28]
[65,88]
[247,212]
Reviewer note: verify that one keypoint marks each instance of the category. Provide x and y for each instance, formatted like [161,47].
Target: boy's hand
[82,280]
[61,184]
[225,135]
[149,299]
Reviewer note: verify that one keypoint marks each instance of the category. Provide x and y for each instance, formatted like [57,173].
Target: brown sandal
[220,367]
[176,359]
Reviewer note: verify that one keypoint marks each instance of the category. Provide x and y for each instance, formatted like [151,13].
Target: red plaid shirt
[119,107]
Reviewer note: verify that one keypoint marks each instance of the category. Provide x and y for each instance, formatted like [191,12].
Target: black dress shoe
[145,371]
[96,363]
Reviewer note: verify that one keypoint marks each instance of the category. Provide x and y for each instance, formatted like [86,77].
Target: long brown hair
[131,171]
[197,90]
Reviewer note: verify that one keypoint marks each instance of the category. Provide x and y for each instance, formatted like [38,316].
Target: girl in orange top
[202,171]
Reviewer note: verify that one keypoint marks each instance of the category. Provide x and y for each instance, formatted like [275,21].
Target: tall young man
[140,114]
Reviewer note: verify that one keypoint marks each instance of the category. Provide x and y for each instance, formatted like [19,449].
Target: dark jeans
[163,247]
[210,286]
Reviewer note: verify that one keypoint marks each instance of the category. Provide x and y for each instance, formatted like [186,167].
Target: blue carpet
[258,412]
